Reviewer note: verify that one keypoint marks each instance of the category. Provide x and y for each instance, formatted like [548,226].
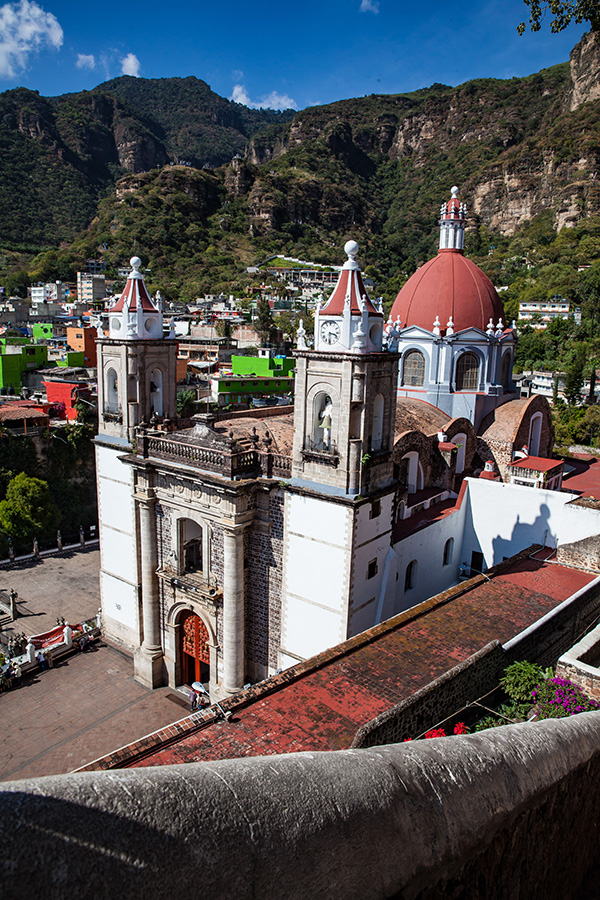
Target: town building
[90,288]
[539,313]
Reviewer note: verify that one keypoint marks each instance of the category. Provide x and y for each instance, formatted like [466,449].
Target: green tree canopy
[264,322]
[564,12]
[28,510]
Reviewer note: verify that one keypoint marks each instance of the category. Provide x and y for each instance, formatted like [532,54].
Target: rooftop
[320,704]
[582,476]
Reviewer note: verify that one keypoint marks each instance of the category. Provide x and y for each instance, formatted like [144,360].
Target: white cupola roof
[135,316]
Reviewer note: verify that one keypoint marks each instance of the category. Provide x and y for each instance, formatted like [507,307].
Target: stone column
[148,659]
[233,610]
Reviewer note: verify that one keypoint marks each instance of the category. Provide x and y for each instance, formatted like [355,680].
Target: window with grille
[414,368]
[467,372]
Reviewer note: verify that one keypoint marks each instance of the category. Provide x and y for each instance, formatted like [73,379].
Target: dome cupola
[135,316]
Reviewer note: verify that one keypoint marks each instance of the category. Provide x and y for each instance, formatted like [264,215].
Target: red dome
[448,285]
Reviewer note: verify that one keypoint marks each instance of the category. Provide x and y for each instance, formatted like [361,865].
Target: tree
[28,510]
[223,328]
[186,403]
[564,12]
[574,380]
[264,322]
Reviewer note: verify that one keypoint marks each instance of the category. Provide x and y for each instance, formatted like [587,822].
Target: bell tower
[136,383]
[345,394]
[339,504]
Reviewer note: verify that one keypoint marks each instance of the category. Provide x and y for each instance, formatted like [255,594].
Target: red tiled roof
[537,463]
[320,704]
[585,477]
[21,412]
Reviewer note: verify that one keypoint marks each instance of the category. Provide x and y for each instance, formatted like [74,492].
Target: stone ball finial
[135,263]
[454,192]
[351,249]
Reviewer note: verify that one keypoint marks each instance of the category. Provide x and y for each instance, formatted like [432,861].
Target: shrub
[556,698]
[521,678]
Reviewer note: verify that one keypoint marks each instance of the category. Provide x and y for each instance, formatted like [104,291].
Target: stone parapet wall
[510,810]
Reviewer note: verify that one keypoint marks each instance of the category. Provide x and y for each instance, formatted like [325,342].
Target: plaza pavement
[89,703]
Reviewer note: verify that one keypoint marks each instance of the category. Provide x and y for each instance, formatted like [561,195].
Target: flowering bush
[557,697]
[435,732]
[460,728]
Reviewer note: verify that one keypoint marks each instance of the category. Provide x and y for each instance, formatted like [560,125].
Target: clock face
[330,332]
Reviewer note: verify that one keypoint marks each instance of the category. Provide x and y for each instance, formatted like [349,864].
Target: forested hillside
[525,153]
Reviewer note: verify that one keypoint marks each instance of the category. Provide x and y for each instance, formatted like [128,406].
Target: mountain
[524,151]
[194,123]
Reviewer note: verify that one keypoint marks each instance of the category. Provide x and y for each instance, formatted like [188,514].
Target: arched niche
[322,417]
[378,414]
[411,472]
[535,433]
[111,390]
[460,440]
[155,386]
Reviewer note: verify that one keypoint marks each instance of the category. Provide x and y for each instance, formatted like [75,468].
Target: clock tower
[339,504]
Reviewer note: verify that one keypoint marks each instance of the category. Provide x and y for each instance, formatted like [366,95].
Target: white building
[539,313]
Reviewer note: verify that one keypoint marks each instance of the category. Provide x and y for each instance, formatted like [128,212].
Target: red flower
[435,732]
[460,728]
[406,739]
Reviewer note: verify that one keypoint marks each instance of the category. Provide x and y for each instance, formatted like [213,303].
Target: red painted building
[67,393]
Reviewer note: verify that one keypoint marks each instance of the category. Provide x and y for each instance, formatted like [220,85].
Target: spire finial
[454,192]
[135,263]
[351,249]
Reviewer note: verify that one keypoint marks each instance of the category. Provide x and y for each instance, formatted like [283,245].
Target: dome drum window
[413,373]
[467,372]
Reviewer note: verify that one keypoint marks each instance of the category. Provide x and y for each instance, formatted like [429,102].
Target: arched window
[467,372]
[410,576]
[414,368]
[156,392]
[505,376]
[535,432]
[448,552]
[111,402]
[377,434]
[190,546]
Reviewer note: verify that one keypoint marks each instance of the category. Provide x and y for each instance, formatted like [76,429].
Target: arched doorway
[195,652]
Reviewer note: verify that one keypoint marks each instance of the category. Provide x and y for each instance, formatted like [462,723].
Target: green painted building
[254,378]
[16,358]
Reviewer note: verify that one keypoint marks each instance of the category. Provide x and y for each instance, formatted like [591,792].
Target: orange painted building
[83,340]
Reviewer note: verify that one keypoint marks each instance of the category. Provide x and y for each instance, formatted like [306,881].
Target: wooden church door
[195,650]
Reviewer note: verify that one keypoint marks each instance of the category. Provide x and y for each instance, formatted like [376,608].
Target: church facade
[233,549]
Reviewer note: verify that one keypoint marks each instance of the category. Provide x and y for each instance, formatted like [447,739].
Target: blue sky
[271,53]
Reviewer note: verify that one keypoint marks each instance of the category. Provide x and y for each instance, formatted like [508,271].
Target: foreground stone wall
[506,813]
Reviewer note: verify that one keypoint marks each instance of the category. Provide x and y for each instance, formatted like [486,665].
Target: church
[243,545]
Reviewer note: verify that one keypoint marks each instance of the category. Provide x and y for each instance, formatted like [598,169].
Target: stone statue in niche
[325,421]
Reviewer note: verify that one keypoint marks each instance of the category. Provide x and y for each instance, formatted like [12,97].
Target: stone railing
[423,819]
[232,464]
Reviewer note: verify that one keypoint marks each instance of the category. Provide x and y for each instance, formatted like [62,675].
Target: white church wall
[119,574]
[371,543]
[317,542]
[426,546]
[503,519]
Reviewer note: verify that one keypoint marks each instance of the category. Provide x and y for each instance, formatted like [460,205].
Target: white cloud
[86,61]
[25,28]
[130,65]
[369,6]
[274,100]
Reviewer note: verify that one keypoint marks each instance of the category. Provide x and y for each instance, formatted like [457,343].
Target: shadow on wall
[523,535]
